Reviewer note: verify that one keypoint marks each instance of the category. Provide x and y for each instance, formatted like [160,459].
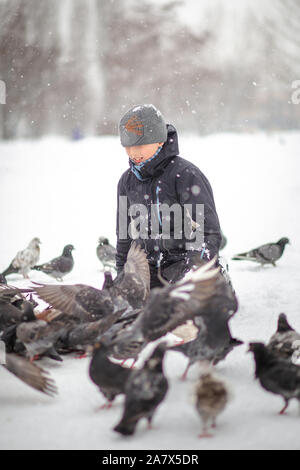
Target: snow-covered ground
[65,192]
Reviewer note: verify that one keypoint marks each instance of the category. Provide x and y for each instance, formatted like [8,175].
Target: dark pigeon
[14,307]
[276,375]
[106,253]
[265,254]
[110,378]
[286,340]
[145,390]
[60,266]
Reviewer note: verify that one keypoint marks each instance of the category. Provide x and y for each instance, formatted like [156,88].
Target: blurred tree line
[73,67]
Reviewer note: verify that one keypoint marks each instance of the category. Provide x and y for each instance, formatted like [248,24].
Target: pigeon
[276,375]
[110,378]
[127,342]
[88,303]
[283,341]
[31,374]
[39,337]
[106,253]
[173,305]
[265,254]
[80,337]
[25,259]
[60,266]
[212,343]
[79,301]
[145,390]
[224,293]
[211,398]
[133,283]
[14,307]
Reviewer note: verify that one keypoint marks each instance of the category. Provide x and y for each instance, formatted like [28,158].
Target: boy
[158,179]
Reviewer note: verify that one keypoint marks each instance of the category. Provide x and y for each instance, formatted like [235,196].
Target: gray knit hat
[143,124]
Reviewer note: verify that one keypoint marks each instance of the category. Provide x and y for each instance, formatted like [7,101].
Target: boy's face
[141,153]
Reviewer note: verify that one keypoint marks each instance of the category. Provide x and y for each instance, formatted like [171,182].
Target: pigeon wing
[138,267]
[62,298]
[269,252]
[31,374]
[283,378]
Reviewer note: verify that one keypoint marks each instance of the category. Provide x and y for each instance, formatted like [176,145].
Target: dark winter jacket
[167,179]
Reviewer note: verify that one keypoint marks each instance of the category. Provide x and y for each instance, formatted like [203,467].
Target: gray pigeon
[80,337]
[78,301]
[60,266]
[89,304]
[173,305]
[286,340]
[145,390]
[25,259]
[133,283]
[106,253]
[213,342]
[265,254]
[128,341]
[39,337]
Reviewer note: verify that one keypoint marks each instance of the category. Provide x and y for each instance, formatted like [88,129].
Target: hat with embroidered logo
[141,125]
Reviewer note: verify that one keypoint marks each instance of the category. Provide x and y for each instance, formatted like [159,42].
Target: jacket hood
[156,166]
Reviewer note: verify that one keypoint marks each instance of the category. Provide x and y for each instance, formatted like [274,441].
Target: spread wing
[29,373]
[78,300]
[138,267]
[172,306]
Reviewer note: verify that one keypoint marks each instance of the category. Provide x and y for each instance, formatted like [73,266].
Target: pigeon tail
[125,428]
[10,270]
[243,256]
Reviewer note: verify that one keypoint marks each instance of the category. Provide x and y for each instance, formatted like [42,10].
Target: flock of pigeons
[117,322]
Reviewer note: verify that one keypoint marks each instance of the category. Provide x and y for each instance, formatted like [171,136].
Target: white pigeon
[25,259]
